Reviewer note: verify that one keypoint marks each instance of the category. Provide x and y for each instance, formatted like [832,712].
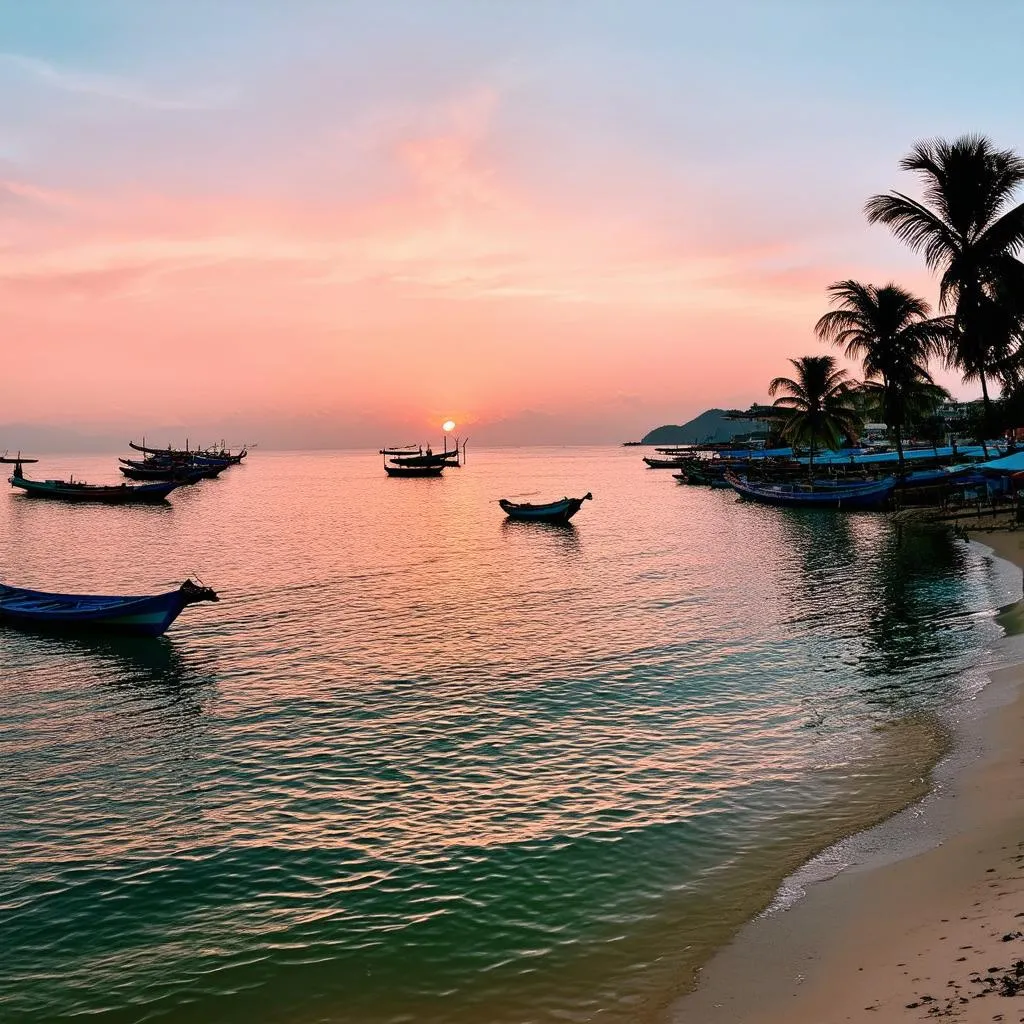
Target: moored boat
[220,455]
[449,460]
[412,471]
[873,495]
[553,512]
[155,469]
[77,490]
[132,616]
[414,455]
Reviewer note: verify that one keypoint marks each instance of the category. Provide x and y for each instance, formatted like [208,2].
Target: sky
[337,224]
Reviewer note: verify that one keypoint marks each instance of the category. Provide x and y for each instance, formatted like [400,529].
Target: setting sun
[448,425]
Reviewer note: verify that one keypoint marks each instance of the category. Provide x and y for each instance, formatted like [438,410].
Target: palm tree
[889,330]
[817,407]
[967,230]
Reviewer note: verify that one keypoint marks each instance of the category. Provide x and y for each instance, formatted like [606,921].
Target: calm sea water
[421,764]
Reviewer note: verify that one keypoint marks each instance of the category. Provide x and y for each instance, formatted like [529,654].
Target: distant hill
[711,425]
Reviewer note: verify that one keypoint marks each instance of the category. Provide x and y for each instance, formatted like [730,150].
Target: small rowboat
[109,494]
[133,616]
[553,512]
[873,495]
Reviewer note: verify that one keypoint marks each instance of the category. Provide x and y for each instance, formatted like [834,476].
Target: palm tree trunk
[899,450]
[810,463]
[988,413]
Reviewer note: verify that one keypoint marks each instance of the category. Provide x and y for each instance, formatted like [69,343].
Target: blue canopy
[1010,464]
[851,458]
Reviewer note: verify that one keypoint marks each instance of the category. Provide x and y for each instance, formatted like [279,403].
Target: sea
[424,764]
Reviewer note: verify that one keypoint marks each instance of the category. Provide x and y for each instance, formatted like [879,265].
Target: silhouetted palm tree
[817,407]
[890,332]
[968,230]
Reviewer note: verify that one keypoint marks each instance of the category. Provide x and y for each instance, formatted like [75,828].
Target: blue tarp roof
[1010,464]
[849,458]
[756,453]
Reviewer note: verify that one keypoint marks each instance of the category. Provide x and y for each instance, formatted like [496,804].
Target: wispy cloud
[115,87]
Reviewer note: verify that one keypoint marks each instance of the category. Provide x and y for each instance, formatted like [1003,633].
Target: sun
[448,425]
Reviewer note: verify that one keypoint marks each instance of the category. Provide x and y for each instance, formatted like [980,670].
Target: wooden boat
[133,616]
[446,461]
[871,495]
[414,455]
[222,455]
[74,490]
[408,471]
[153,469]
[553,512]
[663,463]
[427,459]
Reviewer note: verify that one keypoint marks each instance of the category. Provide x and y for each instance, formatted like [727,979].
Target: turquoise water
[424,764]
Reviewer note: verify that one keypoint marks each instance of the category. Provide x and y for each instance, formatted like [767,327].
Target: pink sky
[249,249]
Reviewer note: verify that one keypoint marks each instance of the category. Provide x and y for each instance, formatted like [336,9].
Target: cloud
[114,87]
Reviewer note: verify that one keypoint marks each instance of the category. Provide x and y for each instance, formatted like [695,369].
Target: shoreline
[918,916]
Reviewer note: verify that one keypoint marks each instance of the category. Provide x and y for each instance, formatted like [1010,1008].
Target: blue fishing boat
[132,616]
[873,495]
[78,490]
[553,512]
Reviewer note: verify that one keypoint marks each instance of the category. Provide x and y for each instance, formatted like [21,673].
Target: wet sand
[931,923]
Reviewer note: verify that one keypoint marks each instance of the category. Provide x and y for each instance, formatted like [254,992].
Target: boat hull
[127,616]
[413,471]
[869,497]
[179,474]
[120,494]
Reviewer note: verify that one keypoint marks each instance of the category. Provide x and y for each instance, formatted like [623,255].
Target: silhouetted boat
[135,616]
[873,495]
[553,512]
[449,460]
[72,490]
[221,455]
[435,470]
[155,469]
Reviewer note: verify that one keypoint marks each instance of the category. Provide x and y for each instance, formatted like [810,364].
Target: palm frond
[915,225]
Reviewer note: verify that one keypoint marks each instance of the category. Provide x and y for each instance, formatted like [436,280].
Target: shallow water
[424,764]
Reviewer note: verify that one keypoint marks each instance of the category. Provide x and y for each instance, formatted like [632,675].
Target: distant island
[710,426]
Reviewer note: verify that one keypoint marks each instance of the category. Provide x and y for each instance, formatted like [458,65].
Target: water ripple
[420,764]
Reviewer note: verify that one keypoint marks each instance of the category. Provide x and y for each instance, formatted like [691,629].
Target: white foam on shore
[930,821]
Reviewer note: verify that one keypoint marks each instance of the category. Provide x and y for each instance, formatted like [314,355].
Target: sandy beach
[930,926]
